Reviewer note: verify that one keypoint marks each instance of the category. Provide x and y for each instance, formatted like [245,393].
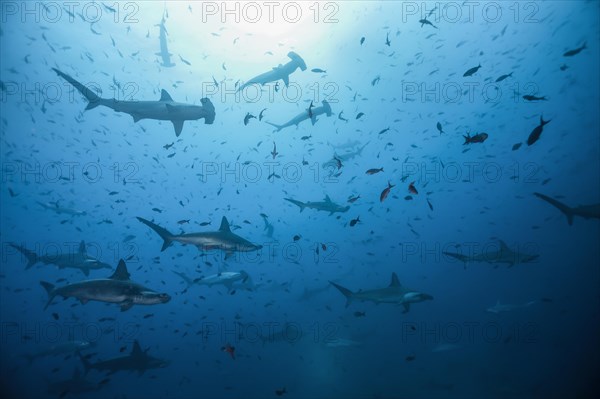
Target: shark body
[311,114]
[326,205]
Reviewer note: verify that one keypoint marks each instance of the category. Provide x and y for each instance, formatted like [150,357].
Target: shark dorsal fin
[137,350]
[82,248]
[327,199]
[503,246]
[224,225]
[121,273]
[395,282]
[164,96]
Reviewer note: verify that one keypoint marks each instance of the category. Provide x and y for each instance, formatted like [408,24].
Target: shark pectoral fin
[86,271]
[83,300]
[313,120]
[406,307]
[286,80]
[126,305]
[228,254]
[135,117]
[178,125]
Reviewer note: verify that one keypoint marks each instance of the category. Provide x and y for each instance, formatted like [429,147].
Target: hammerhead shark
[164,50]
[585,211]
[394,293]
[138,360]
[282,72]
[79,260]
[77,384]
[118,289]
[223,239]
[498,308]
[54,206]
[164,109]
[503,255]
[326,205]
[310,113]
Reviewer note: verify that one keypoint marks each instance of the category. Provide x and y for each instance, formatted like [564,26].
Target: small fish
[184,61]
[576,51]
[183,221]
[260,116]
[410,358]
[55,316]
[359,115]
[229,349]
[375,81]
[412,189]
[353,199]
[425,21]
[354,221]
[384,194]
[304,138]
[167,146]
[324,247]
[534,98]
[147,316]
[429,203]
[564,67]
[318,70]
[471,71]
[157,210]
[297,237]
[439,128]
[537,132]
[359,314]
[387,40]
[362,40]
[280,392]
[516,146]
[341,118]
[373,171]
[384,130]
[247,118]
[501,78]
[205,223]
[478,138]
[274,153]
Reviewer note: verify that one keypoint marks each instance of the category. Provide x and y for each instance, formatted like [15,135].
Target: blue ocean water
[426,252]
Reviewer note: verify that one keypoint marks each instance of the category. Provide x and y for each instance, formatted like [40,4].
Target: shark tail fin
[163,233]
[86,364]
[277,127]
[50,290]
[562,207]
[30,255]
[345,291]
[93,99]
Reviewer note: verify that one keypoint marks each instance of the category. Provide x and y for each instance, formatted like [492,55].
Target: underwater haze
[337,199]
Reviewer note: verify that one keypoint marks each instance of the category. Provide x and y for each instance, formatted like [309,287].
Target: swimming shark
[75,385]
[497,308]
[53,206]
[310,113]
[79,260]
[326,205]
[64,348]
[502,255]
[231,280]
[282,72]
[223,239]
[585,211]
[164,50]
[137,360]
[333,162]
[341,343]
[348,144]
[118,289]
[165,109]
[394,293]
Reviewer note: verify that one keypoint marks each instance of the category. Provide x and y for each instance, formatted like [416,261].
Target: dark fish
[340,117]
[359,314]
[157,210]
[280,392]
[304,138]
[324,247]
[147,316]
[248,117]
[359,115]
[274,152]
[205,223]
[516,146]
[260,116]
[387,40]
[55,315]
[412,189]
[373,171]
[425,21]
[478,138]
[384,194]
[439,128]
[471,71]
[384,130]
[534,98]
[430,206]
[297,237]
[576,51]
[353,199]
[122,349]
[410,358]
[354,221]
[362,40]
[183,221]
[501,78]
[318,70]
[537,132]
[375,81]
[564,67]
